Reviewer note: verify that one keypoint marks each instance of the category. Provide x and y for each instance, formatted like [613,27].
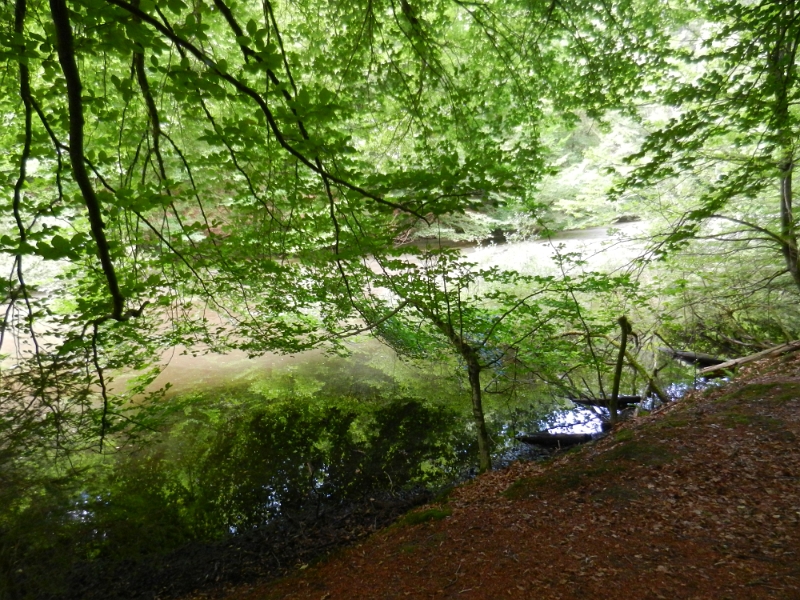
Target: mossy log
[693,358]
[732,364]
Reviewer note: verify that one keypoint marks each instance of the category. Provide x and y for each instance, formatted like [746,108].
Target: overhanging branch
[66,57]
[246,90]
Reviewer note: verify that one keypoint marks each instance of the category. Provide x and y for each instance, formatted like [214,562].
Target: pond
[279,465]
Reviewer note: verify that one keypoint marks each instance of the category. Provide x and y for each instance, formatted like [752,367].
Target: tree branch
[243,88]
[66,56]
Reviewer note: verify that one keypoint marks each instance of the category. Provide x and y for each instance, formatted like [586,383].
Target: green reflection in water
[281,443]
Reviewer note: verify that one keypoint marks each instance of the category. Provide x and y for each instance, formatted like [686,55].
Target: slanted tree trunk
[623,401]
[718,370]
[653,384]
[65,50]
[474,372]
[623,343]
[555,440]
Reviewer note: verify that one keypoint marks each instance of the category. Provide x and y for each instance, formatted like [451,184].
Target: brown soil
[701,500]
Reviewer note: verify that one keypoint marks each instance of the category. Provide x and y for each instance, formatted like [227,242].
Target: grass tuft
[623,436]
[424,516]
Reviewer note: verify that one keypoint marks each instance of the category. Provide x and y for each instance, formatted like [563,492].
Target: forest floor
[701,500]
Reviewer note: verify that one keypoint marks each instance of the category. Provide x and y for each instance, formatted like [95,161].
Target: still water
[277,431]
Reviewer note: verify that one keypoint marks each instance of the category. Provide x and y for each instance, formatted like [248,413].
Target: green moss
[785,393]
[641,452]
[765,423]
[525,488]
[561,480]
[443,497]
[765,392]
[672,422]
[573,477]
[753,391]
[430,541]
[623,436]
[424,516]
[573,450]
[734,418]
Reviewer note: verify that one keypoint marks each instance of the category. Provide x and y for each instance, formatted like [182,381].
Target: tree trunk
[782,72]
[717,370]
[474,371]
[788,234]
[470,356]
[65,50]
[654,386]
[555,440]
[623,343]
[699,359]
[623,401]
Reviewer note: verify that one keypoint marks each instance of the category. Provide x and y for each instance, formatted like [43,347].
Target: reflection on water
[678,390]
[185,371]
[576,420]
[236,461]
[224,468]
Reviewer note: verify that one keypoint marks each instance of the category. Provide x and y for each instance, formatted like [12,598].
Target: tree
[735,129]
[204,151]
[180,165]
[518,328]
[451,303]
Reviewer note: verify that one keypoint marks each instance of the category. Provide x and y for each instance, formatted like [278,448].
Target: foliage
[724,300]
[584,157]
[184,167]
[734,91]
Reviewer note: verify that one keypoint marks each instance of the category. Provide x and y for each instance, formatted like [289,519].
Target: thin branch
[766,232]
[370,325]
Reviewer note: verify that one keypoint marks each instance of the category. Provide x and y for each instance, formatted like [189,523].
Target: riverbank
[698,501]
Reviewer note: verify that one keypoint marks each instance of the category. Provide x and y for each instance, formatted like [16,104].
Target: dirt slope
[699,501]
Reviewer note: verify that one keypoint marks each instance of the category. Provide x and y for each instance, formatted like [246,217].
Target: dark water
[240,485]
